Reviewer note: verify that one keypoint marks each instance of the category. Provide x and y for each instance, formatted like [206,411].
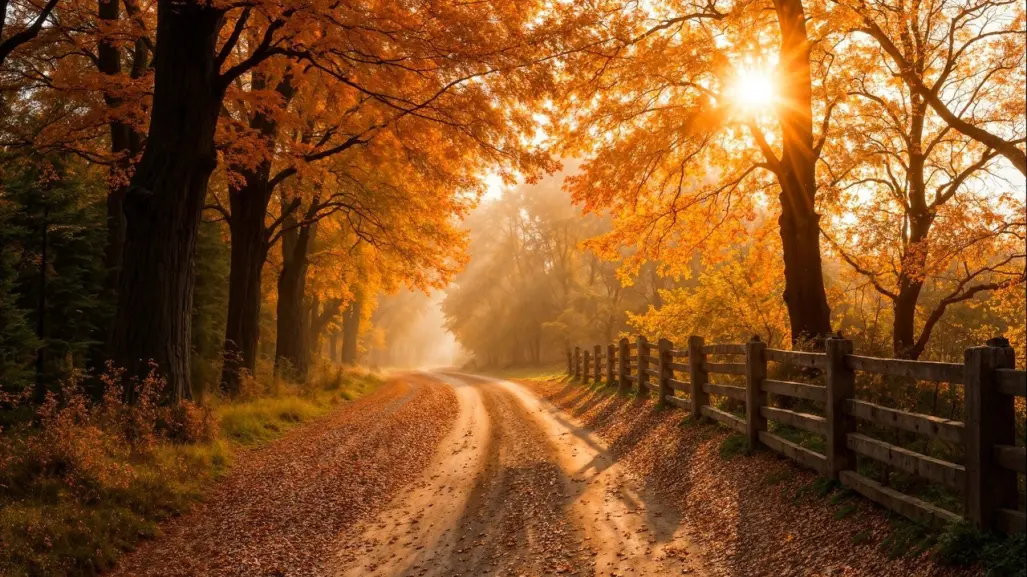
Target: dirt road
[517,489]
[433,475]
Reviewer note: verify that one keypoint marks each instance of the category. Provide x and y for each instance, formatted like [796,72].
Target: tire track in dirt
[518,490]
[280,510]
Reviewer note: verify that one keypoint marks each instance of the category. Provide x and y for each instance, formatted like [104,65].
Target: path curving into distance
[435,474]
[517,489]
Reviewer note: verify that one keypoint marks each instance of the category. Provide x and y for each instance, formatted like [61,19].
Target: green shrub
[733,446]
[961,545]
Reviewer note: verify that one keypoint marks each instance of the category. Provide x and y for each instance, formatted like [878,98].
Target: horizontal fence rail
[987,477]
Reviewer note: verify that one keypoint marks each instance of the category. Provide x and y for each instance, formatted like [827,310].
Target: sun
[753,88]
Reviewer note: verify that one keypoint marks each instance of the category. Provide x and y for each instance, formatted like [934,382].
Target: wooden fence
[987,478]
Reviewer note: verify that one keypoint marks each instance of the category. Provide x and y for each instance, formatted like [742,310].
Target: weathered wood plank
[652,373]
[792,389]
[1011,382]
[726,368]
[632,345]
[755,397]
[921,370]
[990,422]
[798,358]
[801,455]
[679,402]
[737,393]
[653,387]
[1014,458]
[724,418]
[1010,521]
[683,386]
[725,349]
[632,378]
[804,421]
[841,387]
[643,364]
[679,367]
[943,472]
[907,506]
[679,353]
[697,376]
[664,346]
[623,367]
[944,429]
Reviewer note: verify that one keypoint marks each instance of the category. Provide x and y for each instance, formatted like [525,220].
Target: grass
[963,546]
[733,446]
[53,522]
[52,534]
[538,373]
[266,418]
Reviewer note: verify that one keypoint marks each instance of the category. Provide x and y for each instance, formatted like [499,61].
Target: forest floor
[447,474]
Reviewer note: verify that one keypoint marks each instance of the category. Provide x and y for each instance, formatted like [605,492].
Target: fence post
[570,361]
[624,367]
[990,421]
[587,366]
[664,346]
[577,362]
[697,375]
[597,359]
[642,348]
[841,386]
[611,355]
[755,398]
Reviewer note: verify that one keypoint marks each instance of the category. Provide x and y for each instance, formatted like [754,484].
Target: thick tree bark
[804,295]
[293,345]
[249,251]
[351,329]
[165,200]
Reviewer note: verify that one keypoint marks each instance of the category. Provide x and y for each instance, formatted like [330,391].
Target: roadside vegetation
[543,372]
[83,480]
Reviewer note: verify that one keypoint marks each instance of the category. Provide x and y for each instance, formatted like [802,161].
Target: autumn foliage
[216,196]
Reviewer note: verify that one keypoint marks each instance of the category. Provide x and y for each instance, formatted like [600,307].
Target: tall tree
[937,213]
[193,69]
[705,110]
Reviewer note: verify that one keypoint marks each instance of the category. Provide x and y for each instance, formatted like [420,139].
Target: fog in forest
[409,332]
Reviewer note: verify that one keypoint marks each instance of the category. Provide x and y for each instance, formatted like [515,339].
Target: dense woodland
[212,194]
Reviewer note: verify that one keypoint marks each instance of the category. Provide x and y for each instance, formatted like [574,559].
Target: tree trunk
[165,200]
[320,317]
[914,254]
[249,251]
[333,346]
[804,295]
[351,329]
[293,346]
[248,205]
[125,141]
